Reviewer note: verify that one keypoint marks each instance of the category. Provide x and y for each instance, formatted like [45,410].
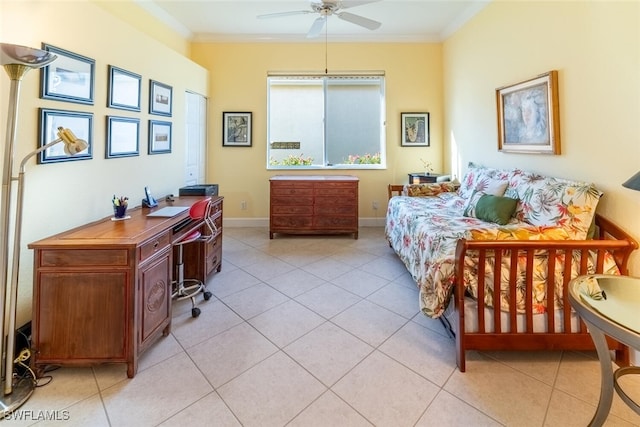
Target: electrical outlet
[243,205]
[374,205]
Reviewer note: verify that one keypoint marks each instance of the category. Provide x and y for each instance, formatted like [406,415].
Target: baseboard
[264,222]
[245,222]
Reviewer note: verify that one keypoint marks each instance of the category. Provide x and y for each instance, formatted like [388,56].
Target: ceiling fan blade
[316,27]
[345,4]
[359,20]
[280,14]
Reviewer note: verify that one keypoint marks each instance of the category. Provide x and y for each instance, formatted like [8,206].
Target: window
[326,122]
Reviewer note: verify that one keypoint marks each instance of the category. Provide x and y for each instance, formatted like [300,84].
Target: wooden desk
[102,291]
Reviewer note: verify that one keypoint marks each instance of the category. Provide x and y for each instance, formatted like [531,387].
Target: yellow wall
[238,83]
[595,46]
[64,195]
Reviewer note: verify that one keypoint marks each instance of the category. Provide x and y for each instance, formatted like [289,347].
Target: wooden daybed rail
[611,238]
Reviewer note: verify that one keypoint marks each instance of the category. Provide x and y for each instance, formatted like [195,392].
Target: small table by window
[421,178]
[609,306]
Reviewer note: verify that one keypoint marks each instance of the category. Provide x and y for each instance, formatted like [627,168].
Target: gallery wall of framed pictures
[71,79]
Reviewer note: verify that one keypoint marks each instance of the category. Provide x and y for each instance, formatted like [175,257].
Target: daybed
[452,236]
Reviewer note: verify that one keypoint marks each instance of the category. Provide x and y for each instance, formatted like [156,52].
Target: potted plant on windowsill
[292,160]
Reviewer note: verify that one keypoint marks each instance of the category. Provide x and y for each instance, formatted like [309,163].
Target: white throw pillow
[494,188]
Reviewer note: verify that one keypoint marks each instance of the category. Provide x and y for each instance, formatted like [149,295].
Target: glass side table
[609,305]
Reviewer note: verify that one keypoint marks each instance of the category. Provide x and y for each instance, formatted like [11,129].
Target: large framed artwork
[528,116]
[81,124]
[69,78]
[414,129]
[236,129]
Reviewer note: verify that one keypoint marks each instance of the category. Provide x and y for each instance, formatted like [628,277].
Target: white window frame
[324,78]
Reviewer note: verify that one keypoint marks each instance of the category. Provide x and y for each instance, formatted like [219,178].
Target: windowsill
[334,167]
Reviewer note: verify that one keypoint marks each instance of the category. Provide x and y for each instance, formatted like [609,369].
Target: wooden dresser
[317,204]
[102,291]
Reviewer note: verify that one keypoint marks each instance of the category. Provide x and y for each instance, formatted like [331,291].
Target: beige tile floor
[321,331]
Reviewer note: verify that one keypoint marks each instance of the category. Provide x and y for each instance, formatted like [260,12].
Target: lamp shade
[22,55]
[633,182]
[72,144]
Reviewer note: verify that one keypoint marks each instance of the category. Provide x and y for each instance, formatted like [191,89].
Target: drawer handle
[155,245]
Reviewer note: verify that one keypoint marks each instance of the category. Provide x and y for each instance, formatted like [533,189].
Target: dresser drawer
[334,210]
[337,191]
[291,184]
[154,246]
[291,201]
[331,201]
[291,210]
[340,222]
[291,191]
[289,221]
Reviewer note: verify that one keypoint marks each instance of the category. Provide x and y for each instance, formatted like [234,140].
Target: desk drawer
[216,208]
[82,257]
[155,245]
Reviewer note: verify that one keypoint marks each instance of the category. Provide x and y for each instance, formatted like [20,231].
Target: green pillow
[496,209]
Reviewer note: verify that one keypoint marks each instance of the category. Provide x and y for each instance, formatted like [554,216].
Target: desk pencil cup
[119,211]
[120,207]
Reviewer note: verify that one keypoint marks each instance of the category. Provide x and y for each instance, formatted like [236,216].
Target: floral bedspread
[424,231]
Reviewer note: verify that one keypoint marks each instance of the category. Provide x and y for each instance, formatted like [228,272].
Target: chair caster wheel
[195,312]
[207,295]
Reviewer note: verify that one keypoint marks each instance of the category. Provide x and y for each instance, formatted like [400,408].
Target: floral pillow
[554,202]
[481,178]
[431,189]
[521,233]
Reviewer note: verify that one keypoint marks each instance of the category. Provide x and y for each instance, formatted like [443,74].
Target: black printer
[199,190]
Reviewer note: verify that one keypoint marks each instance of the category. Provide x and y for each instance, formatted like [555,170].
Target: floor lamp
[17,61]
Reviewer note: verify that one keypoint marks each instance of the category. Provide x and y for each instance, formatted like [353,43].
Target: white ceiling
[236,20]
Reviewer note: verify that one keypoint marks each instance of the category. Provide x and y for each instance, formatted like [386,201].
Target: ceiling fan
[331,8]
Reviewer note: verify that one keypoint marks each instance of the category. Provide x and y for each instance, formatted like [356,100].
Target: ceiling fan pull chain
[326,48]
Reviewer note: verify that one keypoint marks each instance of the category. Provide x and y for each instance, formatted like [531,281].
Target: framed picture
[159,137]
[68,78]
[415,129]
[81,124]
[160,98]
[123,137]
[124,89]
[528,116]
[236,129]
